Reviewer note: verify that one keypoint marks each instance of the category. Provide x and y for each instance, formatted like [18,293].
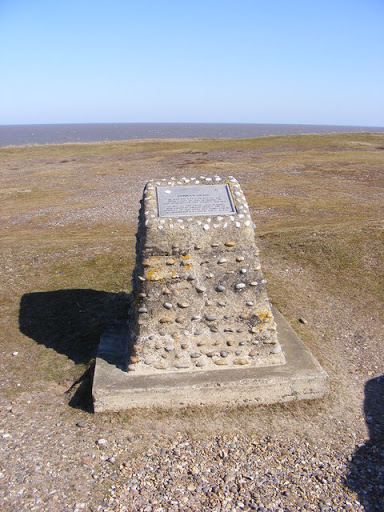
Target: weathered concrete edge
[300,378]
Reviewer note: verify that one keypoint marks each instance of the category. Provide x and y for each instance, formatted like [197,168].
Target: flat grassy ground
[67,231]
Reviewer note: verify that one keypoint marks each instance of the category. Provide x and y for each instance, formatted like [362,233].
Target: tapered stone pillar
[200,296]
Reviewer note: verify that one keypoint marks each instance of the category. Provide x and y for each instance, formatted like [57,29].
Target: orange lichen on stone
[159,273]
[264,317]
[154,274]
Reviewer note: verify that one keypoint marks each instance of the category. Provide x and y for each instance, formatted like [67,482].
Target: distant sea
[17,135]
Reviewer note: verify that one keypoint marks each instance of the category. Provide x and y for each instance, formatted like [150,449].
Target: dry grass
[67,230]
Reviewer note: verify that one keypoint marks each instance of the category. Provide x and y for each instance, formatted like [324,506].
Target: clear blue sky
[246,61]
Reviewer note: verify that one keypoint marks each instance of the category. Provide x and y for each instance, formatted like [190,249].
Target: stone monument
[200,298]
[201,325]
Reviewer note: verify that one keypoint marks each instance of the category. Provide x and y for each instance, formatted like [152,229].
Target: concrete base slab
[114,389]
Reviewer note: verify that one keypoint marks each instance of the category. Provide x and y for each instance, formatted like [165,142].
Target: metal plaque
[194,200]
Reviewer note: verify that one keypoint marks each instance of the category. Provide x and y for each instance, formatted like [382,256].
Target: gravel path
[236,473]
[55,458]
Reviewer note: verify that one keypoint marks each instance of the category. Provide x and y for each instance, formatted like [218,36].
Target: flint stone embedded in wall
[200,297]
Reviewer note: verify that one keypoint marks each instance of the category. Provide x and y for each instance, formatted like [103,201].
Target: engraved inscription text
[194,200]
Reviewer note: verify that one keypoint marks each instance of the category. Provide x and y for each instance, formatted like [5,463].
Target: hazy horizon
[188,123]
[17,135]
